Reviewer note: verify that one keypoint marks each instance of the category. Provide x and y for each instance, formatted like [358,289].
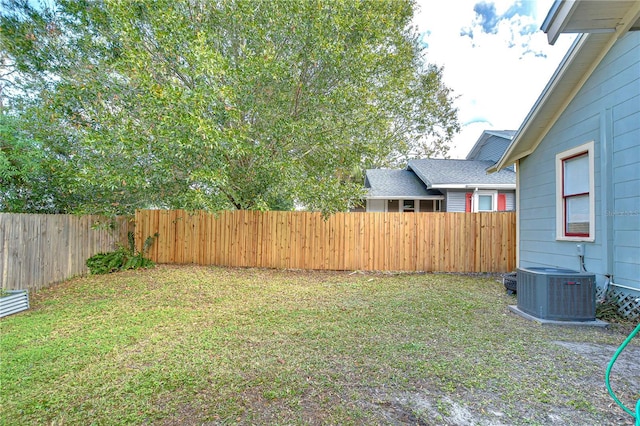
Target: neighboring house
[400,191]
[578,152]
[466,184]
[434,185]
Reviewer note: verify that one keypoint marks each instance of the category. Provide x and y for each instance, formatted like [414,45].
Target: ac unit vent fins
[557,294]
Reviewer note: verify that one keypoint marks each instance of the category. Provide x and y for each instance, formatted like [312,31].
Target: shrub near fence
[38,250]
[444,242]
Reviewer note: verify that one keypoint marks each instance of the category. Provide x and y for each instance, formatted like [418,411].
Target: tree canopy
[221,104]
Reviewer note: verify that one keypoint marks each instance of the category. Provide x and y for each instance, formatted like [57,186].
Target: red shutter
[502,202]
[469,195]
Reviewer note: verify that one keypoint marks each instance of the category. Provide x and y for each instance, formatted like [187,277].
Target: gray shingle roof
[383,183]
[437,172]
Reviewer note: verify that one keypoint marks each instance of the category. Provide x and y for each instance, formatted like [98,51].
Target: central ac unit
[557,294]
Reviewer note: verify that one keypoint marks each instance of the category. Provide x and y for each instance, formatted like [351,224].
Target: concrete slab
[594,323]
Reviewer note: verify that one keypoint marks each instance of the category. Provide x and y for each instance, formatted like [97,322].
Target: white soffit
[581,60]
[593,16]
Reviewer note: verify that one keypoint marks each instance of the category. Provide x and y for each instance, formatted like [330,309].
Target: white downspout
[474,200]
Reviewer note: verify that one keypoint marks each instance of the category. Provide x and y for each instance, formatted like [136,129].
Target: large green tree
[224,104]
[22,171]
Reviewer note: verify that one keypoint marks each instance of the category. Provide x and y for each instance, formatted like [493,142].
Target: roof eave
[578,64]
[479,144]
[533,128]
[504,186]
[557,18]
[476,185]
[405,197]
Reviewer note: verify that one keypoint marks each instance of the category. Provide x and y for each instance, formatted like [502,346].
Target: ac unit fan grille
[557,294]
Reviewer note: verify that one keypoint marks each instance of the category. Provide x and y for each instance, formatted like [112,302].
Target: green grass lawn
[199,345]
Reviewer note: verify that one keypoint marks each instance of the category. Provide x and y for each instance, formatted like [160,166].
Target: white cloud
[493,61]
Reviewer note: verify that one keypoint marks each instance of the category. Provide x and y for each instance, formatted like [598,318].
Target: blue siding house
[577,153]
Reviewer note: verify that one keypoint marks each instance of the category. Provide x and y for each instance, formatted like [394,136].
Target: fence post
[438,242]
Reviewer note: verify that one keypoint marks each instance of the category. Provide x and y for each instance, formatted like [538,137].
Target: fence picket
[446,242]
[40,250]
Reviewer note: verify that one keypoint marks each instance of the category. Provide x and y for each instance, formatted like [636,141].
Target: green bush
[121,259]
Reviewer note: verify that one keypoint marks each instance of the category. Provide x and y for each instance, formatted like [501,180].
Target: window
[409,206]
[485,201]
[575,212]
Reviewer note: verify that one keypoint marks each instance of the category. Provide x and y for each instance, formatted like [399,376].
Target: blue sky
[495,58]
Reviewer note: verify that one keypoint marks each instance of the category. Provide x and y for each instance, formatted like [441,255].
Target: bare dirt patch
[426,406]
[626,368]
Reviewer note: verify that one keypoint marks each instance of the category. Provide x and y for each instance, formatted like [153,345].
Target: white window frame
[588,149]
[476,200]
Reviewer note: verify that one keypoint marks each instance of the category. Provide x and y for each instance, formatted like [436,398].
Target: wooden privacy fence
[445,242]
[39,250]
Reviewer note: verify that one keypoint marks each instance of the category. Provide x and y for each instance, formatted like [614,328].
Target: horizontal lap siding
[456,201]
[606,110]
[492,149]
[449,242]
[625,212]
[510,201]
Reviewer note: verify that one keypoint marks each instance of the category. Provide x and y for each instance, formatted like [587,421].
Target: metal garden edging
[16,301]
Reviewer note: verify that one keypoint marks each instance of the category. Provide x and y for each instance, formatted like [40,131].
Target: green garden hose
[636,415]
